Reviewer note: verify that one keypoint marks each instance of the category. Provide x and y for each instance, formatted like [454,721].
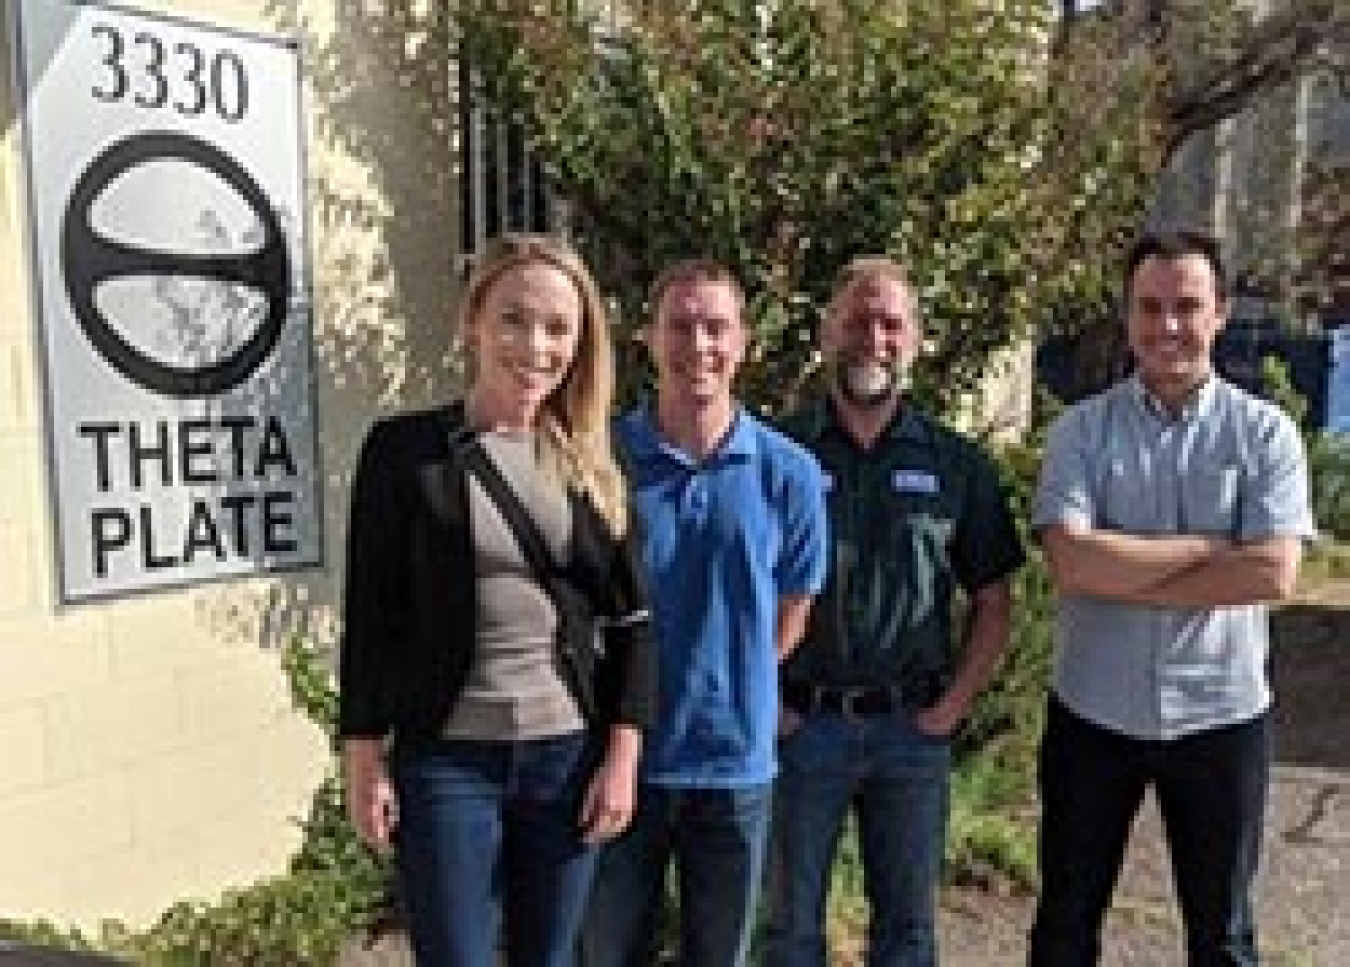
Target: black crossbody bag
[581,629]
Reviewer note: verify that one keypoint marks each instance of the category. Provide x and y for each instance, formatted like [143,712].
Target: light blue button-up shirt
[1229,465]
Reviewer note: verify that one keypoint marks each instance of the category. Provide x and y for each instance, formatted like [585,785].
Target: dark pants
[489,830]
[718,838]
[895,778]
[1211,792]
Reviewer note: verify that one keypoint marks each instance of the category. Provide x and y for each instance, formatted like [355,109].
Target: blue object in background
[1338,381]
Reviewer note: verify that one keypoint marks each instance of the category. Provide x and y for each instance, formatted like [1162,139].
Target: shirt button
[696,494]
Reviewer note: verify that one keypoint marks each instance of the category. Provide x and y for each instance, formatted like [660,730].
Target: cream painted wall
[150,751]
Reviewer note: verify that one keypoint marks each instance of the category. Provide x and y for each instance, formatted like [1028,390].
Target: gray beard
[867,385]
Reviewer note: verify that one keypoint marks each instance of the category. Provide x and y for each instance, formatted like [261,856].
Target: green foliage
[1328,454]
[330,845]
[296,920]
[1279,388]
[1006,719]
[331,850]
[309,675]
[1329,478]
[788,138]
[43,933]
[1325,561]
[293,921]
[988,842]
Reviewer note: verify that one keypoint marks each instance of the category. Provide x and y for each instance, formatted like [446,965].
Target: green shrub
[1328,454]
[1006,718]
[1329,478]
[292,921]
[43,933]
[330,844]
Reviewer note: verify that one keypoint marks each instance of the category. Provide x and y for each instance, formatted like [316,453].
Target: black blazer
[411,594]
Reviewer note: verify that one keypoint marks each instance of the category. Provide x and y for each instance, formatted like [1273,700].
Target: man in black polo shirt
[877,687]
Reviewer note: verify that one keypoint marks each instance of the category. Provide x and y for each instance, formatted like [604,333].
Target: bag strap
[523,526]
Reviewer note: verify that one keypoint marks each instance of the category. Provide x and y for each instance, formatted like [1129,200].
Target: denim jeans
[897,779]
[718,839]
[487,832]
[1211,792]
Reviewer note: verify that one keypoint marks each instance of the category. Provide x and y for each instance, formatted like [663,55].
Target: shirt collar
[822,415]
[1200,402]
[740,443]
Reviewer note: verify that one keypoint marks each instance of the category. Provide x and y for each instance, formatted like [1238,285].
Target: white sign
[166,183]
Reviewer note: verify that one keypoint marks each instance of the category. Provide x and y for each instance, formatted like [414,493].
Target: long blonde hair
[575,419]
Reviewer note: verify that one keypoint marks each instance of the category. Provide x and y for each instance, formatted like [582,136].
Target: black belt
[851,702]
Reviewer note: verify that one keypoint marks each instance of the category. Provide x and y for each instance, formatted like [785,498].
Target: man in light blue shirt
[1171,507]
[734,536]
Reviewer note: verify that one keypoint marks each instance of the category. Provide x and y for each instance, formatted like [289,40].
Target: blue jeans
[488,830]
[1211,792]
[897,779]
[718,838]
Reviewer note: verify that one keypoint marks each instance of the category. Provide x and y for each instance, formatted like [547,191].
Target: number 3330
[182,77]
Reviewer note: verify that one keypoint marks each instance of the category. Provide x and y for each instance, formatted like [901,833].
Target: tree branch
[1276,50]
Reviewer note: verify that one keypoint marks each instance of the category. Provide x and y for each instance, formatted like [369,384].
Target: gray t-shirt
[1230,465]
[513,690]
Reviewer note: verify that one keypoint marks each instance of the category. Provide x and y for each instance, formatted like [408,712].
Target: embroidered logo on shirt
[915,482]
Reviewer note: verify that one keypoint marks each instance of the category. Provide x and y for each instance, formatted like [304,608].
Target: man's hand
[789,720]
[986,640]
[942,719]
[794,610]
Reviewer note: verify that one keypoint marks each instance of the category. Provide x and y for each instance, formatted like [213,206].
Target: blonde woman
[483,735]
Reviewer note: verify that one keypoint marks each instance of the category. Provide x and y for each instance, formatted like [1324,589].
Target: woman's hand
[371,805]
[611,795]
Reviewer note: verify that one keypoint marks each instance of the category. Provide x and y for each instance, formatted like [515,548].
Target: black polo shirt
[919,513]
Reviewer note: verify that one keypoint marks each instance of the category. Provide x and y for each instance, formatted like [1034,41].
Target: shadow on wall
[383,194]
[1309,667]
[383,215]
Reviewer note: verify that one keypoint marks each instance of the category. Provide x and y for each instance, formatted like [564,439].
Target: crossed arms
[1172,570]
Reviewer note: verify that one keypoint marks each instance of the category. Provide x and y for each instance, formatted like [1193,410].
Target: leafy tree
[1213,61]
[1220,56]
[787,137]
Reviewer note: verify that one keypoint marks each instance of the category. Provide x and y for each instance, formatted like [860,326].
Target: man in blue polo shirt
[734,532]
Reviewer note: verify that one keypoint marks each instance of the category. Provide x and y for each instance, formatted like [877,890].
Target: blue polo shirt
[723,540]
